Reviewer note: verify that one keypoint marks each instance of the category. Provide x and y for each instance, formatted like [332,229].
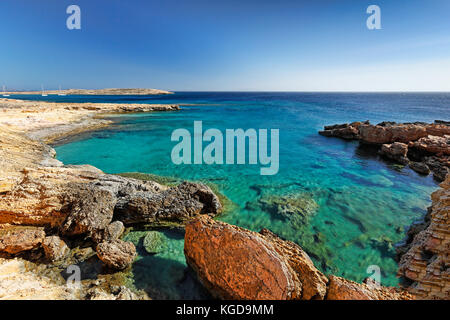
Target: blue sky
[321,45]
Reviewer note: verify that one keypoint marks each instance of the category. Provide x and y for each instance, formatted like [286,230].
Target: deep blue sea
[359,204]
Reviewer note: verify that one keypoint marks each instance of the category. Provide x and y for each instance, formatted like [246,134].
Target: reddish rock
[116,254]
[342,289]
[234,263]
[14,240]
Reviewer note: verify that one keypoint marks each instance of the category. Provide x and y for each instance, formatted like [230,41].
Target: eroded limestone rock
[116,254]
[16,239]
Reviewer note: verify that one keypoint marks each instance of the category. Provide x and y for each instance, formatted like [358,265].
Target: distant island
[111,91]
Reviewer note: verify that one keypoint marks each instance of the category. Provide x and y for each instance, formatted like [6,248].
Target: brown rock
[344,131]
[439,128]
[112,232]
[427,262]
[396,151]
[433,144]
[55,248]
[420,167]
[389,133]
[342,289]
[89,209]
[116,254]
[234,263]
[16,239]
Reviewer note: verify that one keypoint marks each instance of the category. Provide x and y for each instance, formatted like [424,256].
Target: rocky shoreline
[58,215]
[424,258]
[53,216]
[424,147]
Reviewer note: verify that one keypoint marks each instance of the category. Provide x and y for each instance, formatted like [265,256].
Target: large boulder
[234,263]
[173,206]
[396,151]
[116,254]
[14,240]
[89,209]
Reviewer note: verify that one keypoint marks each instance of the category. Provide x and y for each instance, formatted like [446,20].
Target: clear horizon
[256,46]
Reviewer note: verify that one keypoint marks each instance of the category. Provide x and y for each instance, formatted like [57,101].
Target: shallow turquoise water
[364,203]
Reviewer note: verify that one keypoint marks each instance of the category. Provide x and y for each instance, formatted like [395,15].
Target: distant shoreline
[111,91]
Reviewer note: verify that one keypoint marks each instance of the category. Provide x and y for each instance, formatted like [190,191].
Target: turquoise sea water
[363,203]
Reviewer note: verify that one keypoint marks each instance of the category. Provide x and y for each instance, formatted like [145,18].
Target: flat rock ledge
[425,147]
[235,263]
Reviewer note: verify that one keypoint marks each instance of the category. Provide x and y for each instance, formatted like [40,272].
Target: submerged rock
[295,208]
[234,263]
[14,240]
[116,254]
[155,242]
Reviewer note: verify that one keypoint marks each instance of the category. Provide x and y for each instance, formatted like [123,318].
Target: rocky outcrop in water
[426,263]
[425,146]
[235,263]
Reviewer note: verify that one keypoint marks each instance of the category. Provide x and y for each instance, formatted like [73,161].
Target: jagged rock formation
[426,263]
[235,263]
[426,147]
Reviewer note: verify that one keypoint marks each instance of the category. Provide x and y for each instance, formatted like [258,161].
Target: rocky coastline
[53,216]
[424,257]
